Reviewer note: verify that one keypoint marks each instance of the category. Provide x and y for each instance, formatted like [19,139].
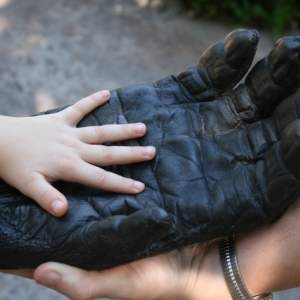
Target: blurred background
[53,53]
[276,15]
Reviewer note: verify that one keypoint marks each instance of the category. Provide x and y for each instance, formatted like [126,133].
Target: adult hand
[268,259]
[173,275]
[36,151]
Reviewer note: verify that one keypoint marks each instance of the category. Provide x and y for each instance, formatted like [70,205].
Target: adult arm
[268,257]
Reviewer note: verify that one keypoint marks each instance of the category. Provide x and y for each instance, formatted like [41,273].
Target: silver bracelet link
[232,272]
[267,296]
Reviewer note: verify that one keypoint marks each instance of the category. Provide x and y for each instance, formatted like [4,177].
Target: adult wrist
[232,273]
[210,283]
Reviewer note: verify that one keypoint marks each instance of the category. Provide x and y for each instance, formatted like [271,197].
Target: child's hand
[35,151]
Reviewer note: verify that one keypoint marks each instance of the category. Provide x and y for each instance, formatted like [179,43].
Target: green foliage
[278,15]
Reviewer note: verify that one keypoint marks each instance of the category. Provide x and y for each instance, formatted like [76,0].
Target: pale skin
[36,151]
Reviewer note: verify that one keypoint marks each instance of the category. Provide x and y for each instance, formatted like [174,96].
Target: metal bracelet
[267,296]
[232,272]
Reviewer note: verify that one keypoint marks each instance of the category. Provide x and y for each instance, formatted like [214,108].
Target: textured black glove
[227,161]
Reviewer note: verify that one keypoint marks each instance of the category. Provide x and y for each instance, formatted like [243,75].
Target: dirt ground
[53,53]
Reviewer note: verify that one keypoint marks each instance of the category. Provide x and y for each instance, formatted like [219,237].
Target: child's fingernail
[139,128]
[139,186]
[56,206]
[105,94]
[149,151]
[51,279]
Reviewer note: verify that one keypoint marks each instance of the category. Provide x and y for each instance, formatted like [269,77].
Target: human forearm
[269,258]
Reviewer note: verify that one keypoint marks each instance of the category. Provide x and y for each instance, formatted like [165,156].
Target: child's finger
[116,155]
[110,133]
[74,113]
[95,177]
[49,198]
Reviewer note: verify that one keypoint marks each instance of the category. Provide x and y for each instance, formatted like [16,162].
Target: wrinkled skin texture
[226,163]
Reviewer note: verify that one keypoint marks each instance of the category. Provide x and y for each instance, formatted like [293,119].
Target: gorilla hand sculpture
[227,161]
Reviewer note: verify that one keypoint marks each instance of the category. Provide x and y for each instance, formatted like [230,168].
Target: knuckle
[127,183]
[127,129]
[107,152]
[69,167]
[29,181]
[136,152]
[41,198]
[45,198]
[99,131]
[79,106]
[102,177]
